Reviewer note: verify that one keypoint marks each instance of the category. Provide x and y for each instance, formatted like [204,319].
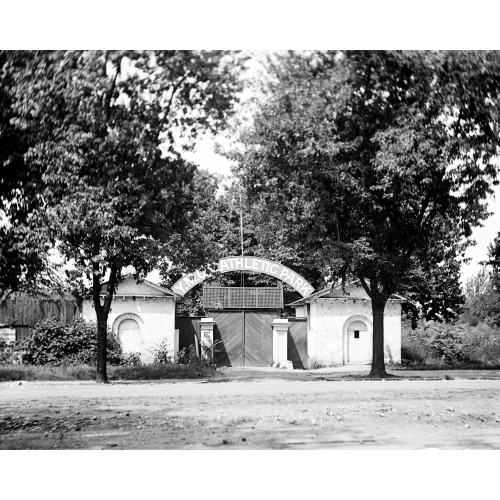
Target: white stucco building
[340,326]
[332,327]
[142,315]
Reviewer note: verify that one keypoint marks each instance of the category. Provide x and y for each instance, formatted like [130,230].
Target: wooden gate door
[228,337]
[297,343]
[259,338]
[243,338]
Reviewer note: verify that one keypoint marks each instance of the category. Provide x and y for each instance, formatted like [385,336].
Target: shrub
[451,344]
[415,349]
[162,354]
[187,356]
[483,307]
[483,350]
[130,359]
[209,352]
[55,343]
[8,354]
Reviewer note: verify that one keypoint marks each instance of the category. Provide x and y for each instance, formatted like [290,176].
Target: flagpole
[241,237]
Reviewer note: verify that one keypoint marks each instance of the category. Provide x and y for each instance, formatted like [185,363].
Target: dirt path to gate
[252,414]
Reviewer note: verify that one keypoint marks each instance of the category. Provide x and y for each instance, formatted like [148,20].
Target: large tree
[376,162]
[434,291]
[107,127]
[24,240]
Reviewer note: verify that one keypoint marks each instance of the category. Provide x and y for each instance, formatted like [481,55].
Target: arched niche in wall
[130,332]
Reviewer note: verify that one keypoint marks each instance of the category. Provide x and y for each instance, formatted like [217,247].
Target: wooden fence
[23,312]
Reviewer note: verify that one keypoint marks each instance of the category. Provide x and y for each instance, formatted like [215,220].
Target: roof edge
[153,285]
[320,293]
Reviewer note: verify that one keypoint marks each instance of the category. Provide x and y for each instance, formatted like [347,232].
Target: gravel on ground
[256,412]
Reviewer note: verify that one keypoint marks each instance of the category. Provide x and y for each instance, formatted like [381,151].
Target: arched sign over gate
[253,264]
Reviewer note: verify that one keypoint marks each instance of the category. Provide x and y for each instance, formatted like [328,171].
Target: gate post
[280,343]
[207,339]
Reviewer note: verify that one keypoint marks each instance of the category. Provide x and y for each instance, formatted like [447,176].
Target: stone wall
[155,316]
[328,325]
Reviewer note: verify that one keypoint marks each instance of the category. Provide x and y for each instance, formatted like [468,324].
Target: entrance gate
[243,338]
[242,317]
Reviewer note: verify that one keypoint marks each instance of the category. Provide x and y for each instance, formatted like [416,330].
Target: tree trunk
[378,363]
[102,330]
[102,313]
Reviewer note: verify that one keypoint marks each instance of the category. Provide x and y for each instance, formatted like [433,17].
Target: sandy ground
[256,411]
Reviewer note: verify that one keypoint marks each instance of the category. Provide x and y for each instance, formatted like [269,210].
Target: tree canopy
[24,242]
[378,163]
[108,131]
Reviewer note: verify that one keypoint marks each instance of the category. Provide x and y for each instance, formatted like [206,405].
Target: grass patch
[159,372]
[46,372]
[11,373]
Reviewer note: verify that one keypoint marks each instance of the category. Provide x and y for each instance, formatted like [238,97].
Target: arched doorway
[358,341]
[130,335]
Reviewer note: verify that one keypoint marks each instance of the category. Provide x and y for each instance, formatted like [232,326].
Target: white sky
[206,158]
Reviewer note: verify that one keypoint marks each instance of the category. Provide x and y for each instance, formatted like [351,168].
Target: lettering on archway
[253,264]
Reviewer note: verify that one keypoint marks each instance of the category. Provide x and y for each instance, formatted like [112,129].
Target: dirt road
[255,414]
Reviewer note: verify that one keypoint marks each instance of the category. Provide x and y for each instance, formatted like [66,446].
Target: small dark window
[356,334]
